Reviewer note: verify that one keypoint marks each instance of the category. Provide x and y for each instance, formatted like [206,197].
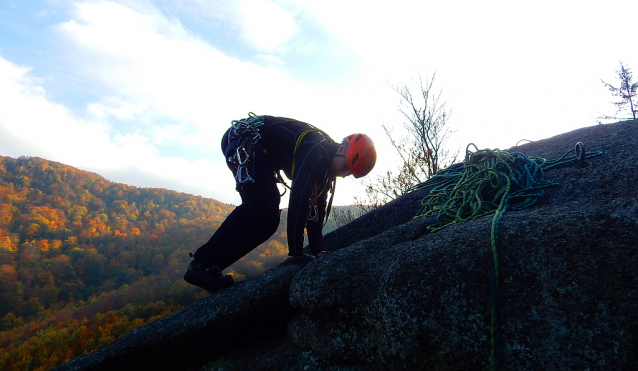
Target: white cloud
[165,86]
[507,71]
[145,60]
[116,107]
[266,25]
[45,127]
[32,125]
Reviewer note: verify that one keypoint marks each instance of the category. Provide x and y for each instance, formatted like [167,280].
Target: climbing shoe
[210,279]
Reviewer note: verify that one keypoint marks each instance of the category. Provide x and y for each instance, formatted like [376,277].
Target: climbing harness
[297,145]
[242,138]
[491,182]
[326,184]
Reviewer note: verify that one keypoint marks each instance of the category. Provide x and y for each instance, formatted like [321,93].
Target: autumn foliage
[84,260]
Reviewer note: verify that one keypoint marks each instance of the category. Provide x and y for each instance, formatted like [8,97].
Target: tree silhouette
[626,91]
[422,151]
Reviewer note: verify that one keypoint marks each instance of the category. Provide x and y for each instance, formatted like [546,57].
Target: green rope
[486,182]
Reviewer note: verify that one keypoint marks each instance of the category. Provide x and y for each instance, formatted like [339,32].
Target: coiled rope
[486,182]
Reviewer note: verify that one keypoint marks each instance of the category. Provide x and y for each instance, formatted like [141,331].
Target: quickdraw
[244,134]
[313,207]
[313,213]
[327,185]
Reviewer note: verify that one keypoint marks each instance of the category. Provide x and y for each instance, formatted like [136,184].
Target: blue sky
[140,91]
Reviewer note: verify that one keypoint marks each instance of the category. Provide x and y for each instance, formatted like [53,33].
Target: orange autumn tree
[84,260]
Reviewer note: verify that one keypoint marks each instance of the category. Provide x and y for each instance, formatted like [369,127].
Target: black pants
[251,223]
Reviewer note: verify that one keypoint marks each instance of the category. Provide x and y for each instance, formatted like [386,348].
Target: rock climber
[257,148]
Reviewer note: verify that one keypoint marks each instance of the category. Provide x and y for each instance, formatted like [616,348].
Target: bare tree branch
[422,150]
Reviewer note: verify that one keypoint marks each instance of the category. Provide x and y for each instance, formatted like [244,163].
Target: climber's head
[359,153]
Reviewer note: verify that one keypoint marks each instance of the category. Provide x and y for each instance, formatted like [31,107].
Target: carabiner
[242,175]
[313,213]
[243,160]
[580,152]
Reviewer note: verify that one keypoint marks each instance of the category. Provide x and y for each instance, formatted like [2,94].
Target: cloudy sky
[140,91]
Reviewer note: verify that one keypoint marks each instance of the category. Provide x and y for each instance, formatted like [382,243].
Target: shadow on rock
[247,312]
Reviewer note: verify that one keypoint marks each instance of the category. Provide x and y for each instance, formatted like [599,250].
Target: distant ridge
[84,260]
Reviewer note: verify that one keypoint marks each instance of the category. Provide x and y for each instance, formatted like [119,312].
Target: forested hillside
[84,260]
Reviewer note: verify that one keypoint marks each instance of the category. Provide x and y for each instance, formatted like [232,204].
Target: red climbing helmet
[360,154]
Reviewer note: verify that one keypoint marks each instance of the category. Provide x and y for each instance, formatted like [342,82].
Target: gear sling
[242,138]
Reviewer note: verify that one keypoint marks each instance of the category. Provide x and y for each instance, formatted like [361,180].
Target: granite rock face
[392,296]
[238,316]
[567,299]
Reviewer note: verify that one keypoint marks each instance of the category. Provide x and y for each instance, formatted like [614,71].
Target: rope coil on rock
[490,182]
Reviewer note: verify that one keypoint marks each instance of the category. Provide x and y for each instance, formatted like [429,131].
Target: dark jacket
[310,155]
